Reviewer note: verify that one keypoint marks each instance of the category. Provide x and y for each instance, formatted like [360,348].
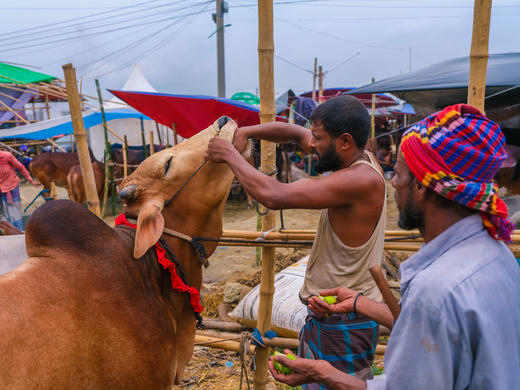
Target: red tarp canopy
[190,113]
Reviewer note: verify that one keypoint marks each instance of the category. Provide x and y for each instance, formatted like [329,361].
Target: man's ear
[345,141]
[421,189]
[150,226]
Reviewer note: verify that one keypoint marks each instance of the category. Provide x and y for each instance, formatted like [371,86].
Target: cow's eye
[167,165]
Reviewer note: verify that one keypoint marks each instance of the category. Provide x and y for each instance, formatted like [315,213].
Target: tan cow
[76,187]
[81,312]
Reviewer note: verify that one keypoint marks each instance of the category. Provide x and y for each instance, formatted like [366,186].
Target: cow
[48,167]
[91,307]
[75,186]
[134,157]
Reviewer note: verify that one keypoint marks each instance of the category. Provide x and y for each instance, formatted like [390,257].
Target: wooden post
[47,106]
[174,128]
[268,164]
[320,85]
[373,116]
[125,157]
[152,146]
[478,56]
[167,138]
[34,111]
[81,139]
[159,138]
[314,75]
[381,283]
[107,158]
[143,139]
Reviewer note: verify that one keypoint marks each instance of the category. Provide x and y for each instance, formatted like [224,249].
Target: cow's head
[157,178]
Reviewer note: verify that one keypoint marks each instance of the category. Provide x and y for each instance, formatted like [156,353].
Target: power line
[293,64]
[94,24]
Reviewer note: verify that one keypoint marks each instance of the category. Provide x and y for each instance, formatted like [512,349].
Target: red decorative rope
[177,283]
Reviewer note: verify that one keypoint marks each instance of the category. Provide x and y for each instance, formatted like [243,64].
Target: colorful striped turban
[456,153]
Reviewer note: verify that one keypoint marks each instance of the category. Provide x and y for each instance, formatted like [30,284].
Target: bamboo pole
[268,154]
[159,138]
[47,106]
[125,157]
[373,116]
[143,139]
[478,56]
[174,128]
[167,138]
[320,85]
[314,75]
[107,158]
[55,145]
[152,146]
[13,98]
[382,285]
[81,139]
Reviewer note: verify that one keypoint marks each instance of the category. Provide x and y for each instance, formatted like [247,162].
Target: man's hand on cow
[240,140]
[345,301]
[219,150]
[34,183]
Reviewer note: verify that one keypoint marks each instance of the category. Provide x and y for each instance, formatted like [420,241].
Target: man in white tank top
[350,234]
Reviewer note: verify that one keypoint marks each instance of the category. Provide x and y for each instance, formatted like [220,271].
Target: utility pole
[314,75]
[218,18]
[320,85]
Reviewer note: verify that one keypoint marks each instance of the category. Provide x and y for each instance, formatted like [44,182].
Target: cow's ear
[150,225]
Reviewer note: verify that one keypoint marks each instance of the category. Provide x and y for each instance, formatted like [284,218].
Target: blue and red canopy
[190,113]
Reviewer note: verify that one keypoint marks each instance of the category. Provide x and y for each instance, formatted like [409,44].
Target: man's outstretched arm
[274,132]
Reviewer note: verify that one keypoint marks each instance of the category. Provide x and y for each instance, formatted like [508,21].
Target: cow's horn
[222,121]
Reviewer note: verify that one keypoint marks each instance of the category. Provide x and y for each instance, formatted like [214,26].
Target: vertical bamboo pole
[373,116]
[167,138]
[159,138]
[81,139]
[143,139]
[314,75]
[152,146]
[268,154]
[174,128]
[478,56]
[107,151]
[47,106]
[125,158]
[320,85]
[34,111]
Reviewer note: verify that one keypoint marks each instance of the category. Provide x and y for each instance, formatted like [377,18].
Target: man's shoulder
[465,272]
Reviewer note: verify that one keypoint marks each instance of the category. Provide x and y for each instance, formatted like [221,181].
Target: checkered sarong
[11,208]
[346,341]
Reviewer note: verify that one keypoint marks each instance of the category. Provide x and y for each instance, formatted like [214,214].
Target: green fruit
[330,299]
[280,367]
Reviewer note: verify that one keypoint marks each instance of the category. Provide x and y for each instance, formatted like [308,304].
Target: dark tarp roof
[437,86]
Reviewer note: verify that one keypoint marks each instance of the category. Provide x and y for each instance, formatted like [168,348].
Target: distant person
[384,155]
[11,207]
[350,235]
[460,312]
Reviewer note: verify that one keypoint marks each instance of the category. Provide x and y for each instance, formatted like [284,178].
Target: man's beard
[410,218]
[329,161]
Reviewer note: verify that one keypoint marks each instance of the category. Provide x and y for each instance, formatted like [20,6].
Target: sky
[172,43]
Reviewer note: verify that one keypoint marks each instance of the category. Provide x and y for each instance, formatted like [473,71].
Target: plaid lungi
[347,341]
[11,208]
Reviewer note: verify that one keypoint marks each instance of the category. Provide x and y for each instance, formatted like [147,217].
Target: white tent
[131,127]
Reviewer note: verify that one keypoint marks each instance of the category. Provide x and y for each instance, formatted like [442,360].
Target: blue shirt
[459,326]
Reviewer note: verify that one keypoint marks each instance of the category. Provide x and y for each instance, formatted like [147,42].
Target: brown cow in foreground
[48,167]
[76,187]
[81,312]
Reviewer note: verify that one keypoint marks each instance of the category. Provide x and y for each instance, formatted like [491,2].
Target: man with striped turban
[460,307]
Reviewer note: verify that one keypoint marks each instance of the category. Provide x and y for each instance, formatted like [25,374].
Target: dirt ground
[210,368]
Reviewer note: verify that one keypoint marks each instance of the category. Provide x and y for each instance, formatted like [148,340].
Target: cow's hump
[66,225]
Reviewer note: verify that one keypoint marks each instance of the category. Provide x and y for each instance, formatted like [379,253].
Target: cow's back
[73,316]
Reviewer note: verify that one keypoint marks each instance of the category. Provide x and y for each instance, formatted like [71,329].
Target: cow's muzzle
[127,194]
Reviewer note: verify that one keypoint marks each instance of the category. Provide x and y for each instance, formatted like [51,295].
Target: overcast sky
[169,40]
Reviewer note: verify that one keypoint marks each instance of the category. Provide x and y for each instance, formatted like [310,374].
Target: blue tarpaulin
[63,125]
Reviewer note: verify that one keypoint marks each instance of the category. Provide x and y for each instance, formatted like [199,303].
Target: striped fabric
[456,152]
[347,341]
[8,178]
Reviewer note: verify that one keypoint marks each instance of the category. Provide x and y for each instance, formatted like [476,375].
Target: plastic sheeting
[10,74]
[437,86]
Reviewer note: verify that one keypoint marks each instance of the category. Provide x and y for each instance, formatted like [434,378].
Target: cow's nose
[128,193]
